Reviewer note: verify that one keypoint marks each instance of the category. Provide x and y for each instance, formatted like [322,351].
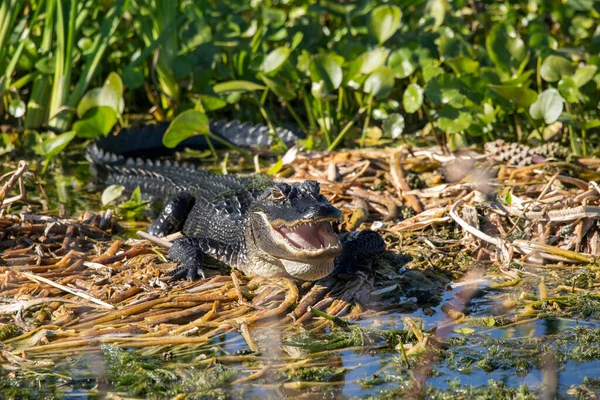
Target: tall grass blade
[9,11]
[107,30]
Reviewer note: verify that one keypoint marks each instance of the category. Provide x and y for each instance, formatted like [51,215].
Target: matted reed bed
[529,235]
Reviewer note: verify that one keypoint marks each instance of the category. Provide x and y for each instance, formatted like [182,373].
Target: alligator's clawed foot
[186,251]
[190,271]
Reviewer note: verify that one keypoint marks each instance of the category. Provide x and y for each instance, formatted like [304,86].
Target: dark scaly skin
[236,220]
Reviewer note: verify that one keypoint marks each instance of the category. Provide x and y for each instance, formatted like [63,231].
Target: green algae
[8,331]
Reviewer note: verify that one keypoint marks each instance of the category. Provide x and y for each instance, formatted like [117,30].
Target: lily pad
[111,193]
[445,89]
[52,146]
[380,82]
[412,99]
[554,68]
[109,95]
[371,60]
[584,74]
[522,96]
[96,122]
[17,108]
[401,62]
[187,124]
[505,47]
[324,68]
[384,22]
[274,60]
[394,125]
[568,89]
[452,120]
[548,106]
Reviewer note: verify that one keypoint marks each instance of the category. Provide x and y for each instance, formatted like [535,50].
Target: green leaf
[431,71]
[297,39]
[371,60]
[568,89]
[133,77]
[554,68]
[463,65]
[412,99]
[548,106]
[211,103]
[445,89]
[17,108]
[111,193]
[451,120]
[464,330]
[274,60]
[380,82]
[351,70]
[136,195]
[489,114]
[401,62]
[275,168]
[384,22]
[579,5]
[98,97]
[237,86]
[252,29]
[450,45]
[505,47]
[96,122]
[52,146]
[324,68]
[279,89]
[584,74]
[543,40]
[187,124]
[507,197]
[437,10]
[522,96]
[6,144]
[46,65]
[114,82]
[394,125]
[135,207]
[109,95]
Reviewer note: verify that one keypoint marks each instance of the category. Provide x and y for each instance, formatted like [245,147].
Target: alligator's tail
[147,141]
[124,158]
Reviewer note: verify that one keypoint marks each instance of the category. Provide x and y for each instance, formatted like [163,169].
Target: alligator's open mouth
[310,238]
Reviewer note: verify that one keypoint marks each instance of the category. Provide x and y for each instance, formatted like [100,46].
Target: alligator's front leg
[188,251]
[173,215]
[359,249]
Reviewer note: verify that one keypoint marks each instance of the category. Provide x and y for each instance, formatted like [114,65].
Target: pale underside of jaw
[311,236]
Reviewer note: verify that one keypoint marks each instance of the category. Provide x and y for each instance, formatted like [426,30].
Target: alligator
[251,223]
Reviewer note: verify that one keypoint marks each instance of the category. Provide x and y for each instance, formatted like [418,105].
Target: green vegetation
[459,72]
[147,378]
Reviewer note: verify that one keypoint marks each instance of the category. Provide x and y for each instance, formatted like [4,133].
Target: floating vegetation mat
[489,288]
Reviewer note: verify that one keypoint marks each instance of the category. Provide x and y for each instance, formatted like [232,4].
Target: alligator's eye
[276,194]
